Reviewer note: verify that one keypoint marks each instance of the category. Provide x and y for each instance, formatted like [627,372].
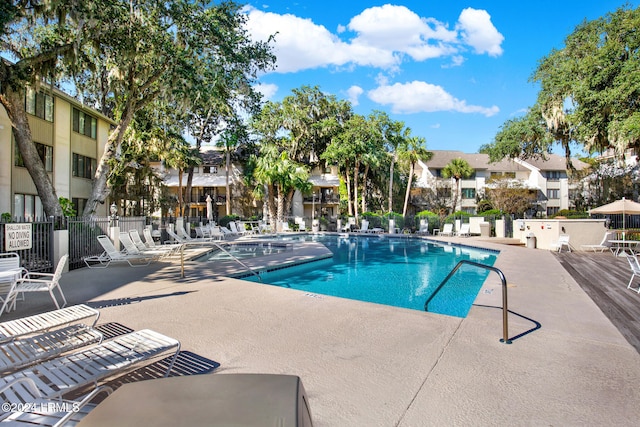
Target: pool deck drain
[365,364]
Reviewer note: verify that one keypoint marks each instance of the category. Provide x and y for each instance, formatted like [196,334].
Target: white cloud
[300,44]
[382,37]
[266,89]
[353,93]
[420,97]
[478,32]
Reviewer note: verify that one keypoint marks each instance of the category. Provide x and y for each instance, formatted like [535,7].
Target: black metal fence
[83,233]
[39,258]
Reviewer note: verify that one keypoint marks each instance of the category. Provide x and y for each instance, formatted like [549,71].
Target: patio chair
[34,409]
[447,230]
[10,272]
[180,231]
[364,227]
[424,228]
[131,248]
[563,242]
[111,254]
[37,282]
[635,269]
[349,225]
[91,365]
[176,238]
[32,349]
[465,230]
[50,320]
[604,244]
[151,244]
[234,228]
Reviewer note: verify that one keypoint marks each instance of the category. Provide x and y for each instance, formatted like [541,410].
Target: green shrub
[225,220]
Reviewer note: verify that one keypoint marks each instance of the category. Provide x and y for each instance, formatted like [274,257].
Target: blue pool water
[393,271]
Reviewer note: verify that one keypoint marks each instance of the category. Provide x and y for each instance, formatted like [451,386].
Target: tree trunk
[348,183]
[187,190]
[14,105]
[271,206]
[180,198]
[356,170]
[227,187]
[455,195]
[280,200]
[99,190]
[406,197]
[364,189]
[391,184]
[289,200]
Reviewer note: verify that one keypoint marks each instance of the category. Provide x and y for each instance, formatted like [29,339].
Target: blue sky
[452,71]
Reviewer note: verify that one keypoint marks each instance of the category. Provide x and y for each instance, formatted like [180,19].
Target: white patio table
[618,246]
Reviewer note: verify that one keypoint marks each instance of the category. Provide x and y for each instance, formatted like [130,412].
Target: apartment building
[547,177]
[70,138]
[209,180]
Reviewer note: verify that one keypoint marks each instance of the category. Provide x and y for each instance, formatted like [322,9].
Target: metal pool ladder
[505,311]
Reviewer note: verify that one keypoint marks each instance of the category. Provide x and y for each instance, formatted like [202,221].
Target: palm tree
[228,142]
[457,169]
[281,176]
[412,149]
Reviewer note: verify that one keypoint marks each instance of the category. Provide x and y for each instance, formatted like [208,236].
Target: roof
[480,161]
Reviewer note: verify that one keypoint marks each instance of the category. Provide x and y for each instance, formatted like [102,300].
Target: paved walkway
[365,364]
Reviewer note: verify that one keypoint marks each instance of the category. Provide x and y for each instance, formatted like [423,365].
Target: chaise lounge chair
[26,351]
[604,244]
[131,248]
[91,365]
[34,409]
[111,254]
[447,230]
[50,320]
[465,230]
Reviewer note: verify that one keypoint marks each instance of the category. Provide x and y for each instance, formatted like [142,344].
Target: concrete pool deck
[365,364]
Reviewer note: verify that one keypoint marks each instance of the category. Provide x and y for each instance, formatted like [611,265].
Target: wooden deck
[604,278]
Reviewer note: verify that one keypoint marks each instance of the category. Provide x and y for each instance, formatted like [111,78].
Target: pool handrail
[505,311]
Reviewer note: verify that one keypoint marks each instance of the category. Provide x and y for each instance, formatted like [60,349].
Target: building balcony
[334,200]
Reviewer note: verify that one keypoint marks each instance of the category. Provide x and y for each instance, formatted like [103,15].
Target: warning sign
[17,236]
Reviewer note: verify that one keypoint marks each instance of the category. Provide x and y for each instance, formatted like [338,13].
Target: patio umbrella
[623,206]
[209,208]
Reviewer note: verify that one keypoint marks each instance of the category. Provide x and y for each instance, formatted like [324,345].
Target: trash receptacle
[485,229]
[531,241]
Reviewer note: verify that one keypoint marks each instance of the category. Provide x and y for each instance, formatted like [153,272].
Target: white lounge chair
[563,242]
[91,365]
[37,282]
[131,249]
[234,228]
[34,409]
[604,244]
[635,269]
[364,227]
[447,230]
[351,221]
[424,228]
[465,230]
[50,320]
[151,244]
[111,254]
[32,349]
[180,231]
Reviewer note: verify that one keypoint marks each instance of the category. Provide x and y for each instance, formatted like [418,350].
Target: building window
[39,104]
[554,175]
[552,211]
[45,152]
[78,205]
[210,169]
[27,206]
[84,124]
[437,173]
[468,193]
[553,194]
[83,167]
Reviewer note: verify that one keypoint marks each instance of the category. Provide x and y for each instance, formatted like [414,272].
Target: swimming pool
[399,272]
[244,251]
